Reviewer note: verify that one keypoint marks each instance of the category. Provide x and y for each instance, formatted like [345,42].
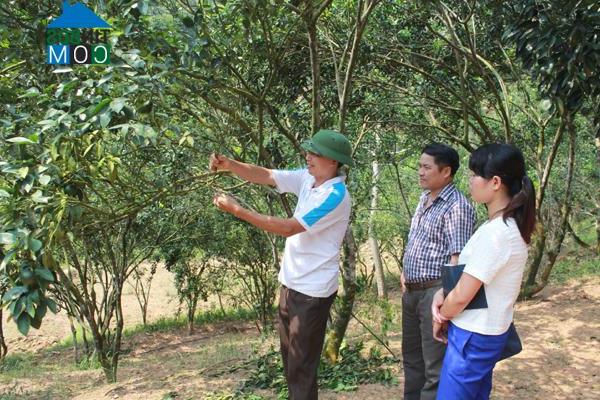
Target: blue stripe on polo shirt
[330,203]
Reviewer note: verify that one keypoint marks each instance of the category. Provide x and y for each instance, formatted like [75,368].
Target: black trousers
[302,323]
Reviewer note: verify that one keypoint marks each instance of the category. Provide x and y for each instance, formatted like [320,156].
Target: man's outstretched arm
[285,227]
[248,172]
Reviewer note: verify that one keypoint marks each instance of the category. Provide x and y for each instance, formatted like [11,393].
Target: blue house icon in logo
[78,16]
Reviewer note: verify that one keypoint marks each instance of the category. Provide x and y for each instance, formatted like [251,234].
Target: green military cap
[331,144]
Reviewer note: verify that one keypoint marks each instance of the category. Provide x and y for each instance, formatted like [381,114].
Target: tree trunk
[537,254]
[597,141]
[3,347]
[363,12]
[146,296]
[343,312]
[316,75]
[554,250]
[86,343]
[190,317]
[534,283]
[598,230]
[100,351]
[539,239]
[220,302]
[116,344]
[101,346]
[74,335]
[109,372]
[373,243]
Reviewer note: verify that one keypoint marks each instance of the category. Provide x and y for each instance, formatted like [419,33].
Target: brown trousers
[302,323]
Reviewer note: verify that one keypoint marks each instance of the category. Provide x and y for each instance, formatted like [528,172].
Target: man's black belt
[412,286]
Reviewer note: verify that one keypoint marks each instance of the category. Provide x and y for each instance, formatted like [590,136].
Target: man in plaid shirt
[442,225]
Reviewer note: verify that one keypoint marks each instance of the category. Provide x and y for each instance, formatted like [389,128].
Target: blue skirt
[468,364]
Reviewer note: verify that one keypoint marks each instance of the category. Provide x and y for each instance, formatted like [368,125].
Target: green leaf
[138,64]
[144,130]
[45,274]
[40,313]
[143,7]
[14,293]
[11,307]
[117,104]
[39,197]
[105,78]
[68,87]
[545,105]
[44,179]
[20,140]
[23,324]
[34,245]
[18,308]
[99,107]
[22,172]
[9,256]
[52,305]
[87,150]
[4,193]
[27,184]
[104,119]
[7,238]
[31,92]
[15,308]
[30,308]
[35,296]
[124,128]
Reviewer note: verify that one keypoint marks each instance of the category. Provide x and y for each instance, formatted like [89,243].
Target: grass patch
[575,267]
[11,394]
[207,317]
[222,349]
[164,324]
[578,262]
[18,364]
[232,396]
[31,365]
[87,364]
[172,395]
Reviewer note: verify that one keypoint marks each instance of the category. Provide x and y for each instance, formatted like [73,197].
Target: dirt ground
[559,328]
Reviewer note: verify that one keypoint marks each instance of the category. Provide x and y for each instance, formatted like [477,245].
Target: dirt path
[560,360]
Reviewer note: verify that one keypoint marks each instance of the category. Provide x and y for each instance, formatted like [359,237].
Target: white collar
[329,182]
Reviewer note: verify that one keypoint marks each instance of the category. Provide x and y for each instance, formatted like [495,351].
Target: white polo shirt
[311,258]
[496,254]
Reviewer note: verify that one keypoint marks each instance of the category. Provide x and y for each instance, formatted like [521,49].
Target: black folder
[450,276]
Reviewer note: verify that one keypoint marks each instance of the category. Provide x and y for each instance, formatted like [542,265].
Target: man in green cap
[310,265]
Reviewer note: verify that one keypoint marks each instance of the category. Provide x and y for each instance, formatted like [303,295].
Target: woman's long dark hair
[507,162]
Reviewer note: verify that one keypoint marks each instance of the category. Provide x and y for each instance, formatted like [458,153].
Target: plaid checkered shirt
[436,233]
